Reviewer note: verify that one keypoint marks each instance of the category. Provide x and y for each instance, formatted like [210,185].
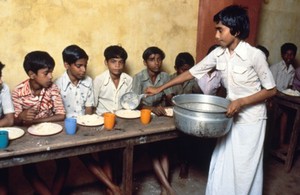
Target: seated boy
[284,73]
[76,88]
[183,62]
[153,76]
[77,93]
[6,119]
[112,83]
[37,100]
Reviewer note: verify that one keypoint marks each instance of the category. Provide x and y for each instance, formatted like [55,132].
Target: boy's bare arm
[54,118]
[185,76]
[7,120]
[236,105]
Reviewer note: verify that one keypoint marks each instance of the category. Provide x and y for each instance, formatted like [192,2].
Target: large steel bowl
[201,115]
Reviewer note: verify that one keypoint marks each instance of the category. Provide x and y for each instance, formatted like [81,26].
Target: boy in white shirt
[113,83]
[6,119]
[76,88]
[284,71]
[236,165]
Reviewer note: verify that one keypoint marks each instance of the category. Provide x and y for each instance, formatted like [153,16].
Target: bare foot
[163,191]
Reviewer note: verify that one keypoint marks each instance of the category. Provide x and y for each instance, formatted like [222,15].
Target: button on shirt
[6,104]
[48,103]
[76,97]
[283,76]
[107,95]
[142,80]
[243,73]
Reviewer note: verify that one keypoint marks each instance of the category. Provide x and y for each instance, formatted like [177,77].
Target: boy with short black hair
[236,165]
[112,83]
[284,71]
[152,75]
[183,62]
[75,86]
[38,100]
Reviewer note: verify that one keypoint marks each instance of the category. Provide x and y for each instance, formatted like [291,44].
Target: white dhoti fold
[236,166]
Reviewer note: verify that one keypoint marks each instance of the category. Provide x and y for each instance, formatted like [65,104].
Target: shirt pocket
[239,73]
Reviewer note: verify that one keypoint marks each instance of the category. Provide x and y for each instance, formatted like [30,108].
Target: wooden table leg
[127,177]
[293,142]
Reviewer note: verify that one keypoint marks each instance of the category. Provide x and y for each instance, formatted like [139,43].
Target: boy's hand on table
[159,111]
[28,115]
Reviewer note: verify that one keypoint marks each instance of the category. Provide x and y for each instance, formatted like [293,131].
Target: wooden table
[126,134]
[280,101]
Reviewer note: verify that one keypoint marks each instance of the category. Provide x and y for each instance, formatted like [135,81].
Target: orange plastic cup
[109,120]
[145,116]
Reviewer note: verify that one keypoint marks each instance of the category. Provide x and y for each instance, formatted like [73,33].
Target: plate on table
[90,120]
[169,112]
[291,92]
[43,129]
[128,114]
[13,132]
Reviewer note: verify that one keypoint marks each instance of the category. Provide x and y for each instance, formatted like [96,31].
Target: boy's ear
[67,66]
[31,74]
[105,62]
[145,63]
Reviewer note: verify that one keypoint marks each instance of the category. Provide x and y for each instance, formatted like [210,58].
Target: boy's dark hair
[184,58]
[288,46]
[153,50]
[263,49]
[115,51]
[73,53]
[1,67]
[37,60]
[236,18]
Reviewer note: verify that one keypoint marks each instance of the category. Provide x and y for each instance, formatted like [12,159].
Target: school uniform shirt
[296,81]
[48,103]
[283,76]
[6,104]
[76,97]
[107,95]
[236,164]
[142,80]
[187,87]
[210,84]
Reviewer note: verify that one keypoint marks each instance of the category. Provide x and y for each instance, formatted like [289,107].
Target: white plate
[13,132]
[90,120]
[169,112]
[291,92]
[45,129]
[129,114]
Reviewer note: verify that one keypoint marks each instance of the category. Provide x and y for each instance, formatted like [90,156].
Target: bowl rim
[209,96]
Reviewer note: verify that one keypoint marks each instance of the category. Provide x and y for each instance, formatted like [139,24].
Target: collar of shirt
[284,67]
[145,76]
[66,81]
[108,79]
[25,89]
